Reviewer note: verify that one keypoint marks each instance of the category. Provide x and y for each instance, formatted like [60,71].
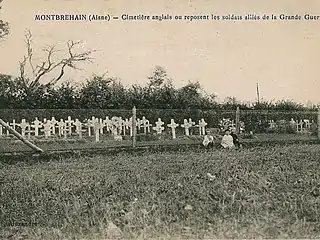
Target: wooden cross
[102,125]
[173,126]
[14,124]
[23,125]
[47,129]
[88,125]
[121,125]
[138,122]
[78,126]
[29,131]
[272,124]
[126,125]
[158,126]
[69,124]
[186,125]
[145,124]
[130,126]
[115,125]
[307,123]
[54,123]
[62,128]
[107,123]
[36,125]
[299,126]
[202,125]
[97,127]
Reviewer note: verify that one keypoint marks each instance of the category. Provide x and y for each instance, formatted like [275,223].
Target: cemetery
[205,155]
[72,133]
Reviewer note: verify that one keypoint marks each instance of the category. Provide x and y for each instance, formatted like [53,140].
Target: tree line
[103,92]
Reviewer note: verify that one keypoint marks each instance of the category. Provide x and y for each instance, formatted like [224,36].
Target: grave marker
[299,126]
[36,126]
[78,125]
[158,126]
[97,127]
[202,127]
[14,124]
[173,126]
[68,126]
[47,129]
[107,123]
[54,123]
[186,125]
[145,124]
[62,128]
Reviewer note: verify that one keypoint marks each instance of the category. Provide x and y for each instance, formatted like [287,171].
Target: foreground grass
[14,145]
[268,193]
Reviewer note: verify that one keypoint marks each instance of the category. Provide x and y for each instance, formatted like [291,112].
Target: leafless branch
[28,40]
[22,65]
[49,65]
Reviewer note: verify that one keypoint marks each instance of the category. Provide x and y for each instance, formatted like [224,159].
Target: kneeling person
[208,140]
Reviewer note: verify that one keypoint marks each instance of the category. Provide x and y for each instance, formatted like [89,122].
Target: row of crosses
[300,126]
[186,125]
[98,126]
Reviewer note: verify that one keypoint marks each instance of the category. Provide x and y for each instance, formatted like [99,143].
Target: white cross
[47,129]
[102,125]
[145,124]
[299,126]
[14,124]
[173,126]
[36,125]
[69,124]
[202,125]
[130,126]
[78,126]
[186,125]
[54,123]
[107,123]
[139,123]
[121,125]
[62,128]
[307,122]
[97,126]
[29,131]
[126,125]
[158,126]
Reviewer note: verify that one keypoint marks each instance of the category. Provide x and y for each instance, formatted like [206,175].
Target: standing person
[227,140]
[235,138]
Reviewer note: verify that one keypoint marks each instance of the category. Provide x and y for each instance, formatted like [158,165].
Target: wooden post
[134,127]
[318,123]
[238,120]
[20,137]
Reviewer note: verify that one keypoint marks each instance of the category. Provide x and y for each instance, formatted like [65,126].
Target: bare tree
[50,64]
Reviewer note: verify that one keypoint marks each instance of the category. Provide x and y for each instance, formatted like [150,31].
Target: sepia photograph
[185,119]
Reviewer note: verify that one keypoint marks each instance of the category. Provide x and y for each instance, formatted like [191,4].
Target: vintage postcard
[185,119]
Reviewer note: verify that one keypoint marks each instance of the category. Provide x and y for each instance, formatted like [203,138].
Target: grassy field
[259,192]
[14,145]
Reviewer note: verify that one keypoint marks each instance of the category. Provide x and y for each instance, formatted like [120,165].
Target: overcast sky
[227,57]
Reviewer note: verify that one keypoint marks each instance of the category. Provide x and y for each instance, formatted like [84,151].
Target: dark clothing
[235,140]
